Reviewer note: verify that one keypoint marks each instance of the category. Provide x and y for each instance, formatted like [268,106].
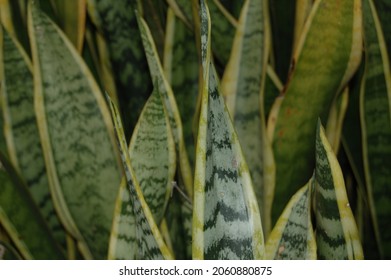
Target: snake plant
[195,129]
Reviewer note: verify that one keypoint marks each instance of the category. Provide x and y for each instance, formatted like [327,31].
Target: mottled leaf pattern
[160,82]
[336,231]
[116,21]
[150,243]
[76,134]
[226,219]
[375,110]
[243,88]
[23,142]
[293,237]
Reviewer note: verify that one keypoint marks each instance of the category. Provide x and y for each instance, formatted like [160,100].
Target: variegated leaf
[160,82]
[320,70]
[76,135]
[152,153]
[149,240]
[21,130]
[375,111]
[293,237]
[243,88]
[226,219]
[337,236]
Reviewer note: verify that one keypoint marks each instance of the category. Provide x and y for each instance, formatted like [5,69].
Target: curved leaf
[336,230]
[320,71]
[77,137]
[293,237]
[226,219]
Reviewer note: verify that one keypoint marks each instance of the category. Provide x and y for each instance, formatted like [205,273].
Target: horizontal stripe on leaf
[336,230]
[150,243]
[375,111]
[76,135]
[226,219]
[293,237]
[23,141]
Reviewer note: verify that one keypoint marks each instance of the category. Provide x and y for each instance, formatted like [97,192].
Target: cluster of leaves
[193,129]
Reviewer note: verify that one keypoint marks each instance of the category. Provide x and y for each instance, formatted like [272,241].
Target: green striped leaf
[160,82]
[183,77]
[243,88]
[3,145]
[375,111]
[336,231]
[71,15]
[320,71]
[149,240]
[21,130]
[116,22]
[226,219]
[76,135]
[293,237]
[21,218]
[152,151]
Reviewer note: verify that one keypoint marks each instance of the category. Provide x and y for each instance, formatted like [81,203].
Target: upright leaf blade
[320,71]
[293,237]
[77,137]
[149,240]
[226,219]
[23,142]
[160,82]
[375,111]
[336,230]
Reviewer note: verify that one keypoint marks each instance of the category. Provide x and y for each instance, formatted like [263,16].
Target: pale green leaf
[226,218]
[76,135]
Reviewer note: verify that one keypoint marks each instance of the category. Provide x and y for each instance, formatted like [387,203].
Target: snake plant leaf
[149,240]
[21,218]
[293,237]
[123,238]
[243,88]
[116,21]
[183,77]
[320,72]
[8,252]
[160,82]
[21,130]
[71,15]
[226,218]
[152,151]
[273,87]
[3,145]
[375,111]
[232,6]
[76,135]
[337,236]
